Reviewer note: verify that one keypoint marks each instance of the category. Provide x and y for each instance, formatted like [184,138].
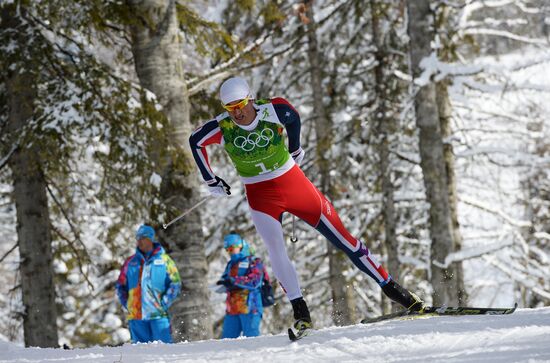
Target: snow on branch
[518,276]
[471,253]
[524,6]
[488,151]
[511,221]
[228,68]
[505,34]
[496,113]
[223,70]
[542,235]
[541,292]
[69,241]
[474,6]
[436,70]
[530,62]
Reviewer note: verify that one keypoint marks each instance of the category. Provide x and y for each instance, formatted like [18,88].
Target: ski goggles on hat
[237,106]
[233,248]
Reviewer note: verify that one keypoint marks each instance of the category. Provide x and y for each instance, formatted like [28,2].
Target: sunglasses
[237,106]
[233,248]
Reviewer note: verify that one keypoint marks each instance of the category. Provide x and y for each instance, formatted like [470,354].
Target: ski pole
[293,237]
[164,226]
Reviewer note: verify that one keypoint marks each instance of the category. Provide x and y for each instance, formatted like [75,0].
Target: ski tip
[291,335]
[297,335]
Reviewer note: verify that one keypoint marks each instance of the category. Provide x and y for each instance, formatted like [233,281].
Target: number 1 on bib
[262,166]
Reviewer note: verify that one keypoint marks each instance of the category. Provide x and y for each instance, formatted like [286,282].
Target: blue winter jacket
[244,295]
[148,284]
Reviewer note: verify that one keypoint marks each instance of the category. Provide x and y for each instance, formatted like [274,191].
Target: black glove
[219,188]
[225,282]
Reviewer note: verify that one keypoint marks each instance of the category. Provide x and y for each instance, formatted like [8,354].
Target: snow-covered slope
[521,337]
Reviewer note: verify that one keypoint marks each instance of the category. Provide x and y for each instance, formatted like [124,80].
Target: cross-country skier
[252,133]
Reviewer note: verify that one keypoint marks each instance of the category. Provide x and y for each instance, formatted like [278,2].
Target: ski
[441,310]
[295,335]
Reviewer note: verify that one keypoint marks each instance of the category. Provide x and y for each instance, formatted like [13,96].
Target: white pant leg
[271,232]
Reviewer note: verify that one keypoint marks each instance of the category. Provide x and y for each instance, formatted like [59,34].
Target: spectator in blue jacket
[148,284]
[243,280]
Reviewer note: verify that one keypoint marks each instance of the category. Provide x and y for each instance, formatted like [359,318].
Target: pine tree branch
[76,253]
[228,68]
[75,233]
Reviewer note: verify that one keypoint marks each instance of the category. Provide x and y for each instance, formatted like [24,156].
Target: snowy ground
[521,337]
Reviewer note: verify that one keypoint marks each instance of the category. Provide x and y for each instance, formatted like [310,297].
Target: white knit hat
[234,89]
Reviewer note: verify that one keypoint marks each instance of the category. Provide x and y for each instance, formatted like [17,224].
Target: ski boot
[302,325]
[404,297]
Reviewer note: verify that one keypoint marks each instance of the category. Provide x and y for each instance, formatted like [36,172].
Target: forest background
[425,122]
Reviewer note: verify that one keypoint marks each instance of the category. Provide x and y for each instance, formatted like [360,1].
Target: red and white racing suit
[279,186]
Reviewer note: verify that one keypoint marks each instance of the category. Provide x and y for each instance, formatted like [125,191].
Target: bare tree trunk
[445,114]
[157,49]
[342,306]
[31,201]
[420,30]
[384,127]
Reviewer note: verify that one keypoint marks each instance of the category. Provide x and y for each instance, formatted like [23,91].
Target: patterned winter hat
[232,239]
[145,231]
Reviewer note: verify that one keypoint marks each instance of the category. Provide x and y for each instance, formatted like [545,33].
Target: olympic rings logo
[254,139]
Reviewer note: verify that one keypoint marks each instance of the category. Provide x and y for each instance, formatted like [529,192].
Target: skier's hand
[219,188]
[226,282]
[298,155]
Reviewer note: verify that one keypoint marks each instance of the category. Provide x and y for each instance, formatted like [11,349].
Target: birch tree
[421,32]
[157,50]
[445,29]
